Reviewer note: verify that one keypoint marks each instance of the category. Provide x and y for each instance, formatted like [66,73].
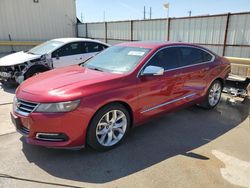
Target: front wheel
[109,127]
[213,95]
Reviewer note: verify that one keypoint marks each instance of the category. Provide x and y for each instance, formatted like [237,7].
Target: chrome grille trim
[24,108]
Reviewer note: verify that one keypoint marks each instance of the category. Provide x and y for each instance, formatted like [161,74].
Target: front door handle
[80,58]
[177,75]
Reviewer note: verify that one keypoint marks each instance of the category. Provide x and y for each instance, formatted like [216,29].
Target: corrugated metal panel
[207,30]
[7,49]
[96,30]
[150,30]
[26,20]
[102,40]
[216,49]
[119,30]
[233,51]
[113,42]
[81,30]
[239,29]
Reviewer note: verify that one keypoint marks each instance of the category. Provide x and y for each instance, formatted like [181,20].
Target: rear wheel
[109,127]
[213,95]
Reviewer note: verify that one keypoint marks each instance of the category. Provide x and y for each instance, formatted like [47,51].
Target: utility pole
[81,18]
[144,13]
[104,16]
[150,13]
[190,13]
[166,7]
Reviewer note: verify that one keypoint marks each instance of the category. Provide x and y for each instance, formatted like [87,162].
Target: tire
[35,70]
[106,130]
[213,95]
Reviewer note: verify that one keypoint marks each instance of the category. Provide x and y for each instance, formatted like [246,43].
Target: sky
[93,10]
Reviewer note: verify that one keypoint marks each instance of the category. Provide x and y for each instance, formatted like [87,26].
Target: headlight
[58,107]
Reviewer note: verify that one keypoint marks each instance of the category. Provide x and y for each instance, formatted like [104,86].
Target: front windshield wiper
[28,52]
[95,68]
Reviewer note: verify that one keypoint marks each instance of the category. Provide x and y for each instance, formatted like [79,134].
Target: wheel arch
[123,103]
[37,66]
[222,81]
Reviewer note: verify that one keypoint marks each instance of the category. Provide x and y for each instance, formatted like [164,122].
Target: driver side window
[168,58]
[73,48]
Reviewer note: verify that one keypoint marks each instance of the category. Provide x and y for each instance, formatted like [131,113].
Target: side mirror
[44,57]
[152,71]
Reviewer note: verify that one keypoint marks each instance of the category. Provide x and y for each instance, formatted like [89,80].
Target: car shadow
[9,88]
[173,134]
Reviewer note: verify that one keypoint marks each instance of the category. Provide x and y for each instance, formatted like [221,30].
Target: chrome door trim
[167,103]
[174,46]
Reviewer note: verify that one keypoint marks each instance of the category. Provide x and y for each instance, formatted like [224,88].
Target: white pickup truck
[55,53]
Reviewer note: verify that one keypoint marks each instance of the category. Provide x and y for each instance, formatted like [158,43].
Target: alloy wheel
[214,94]
[111,128]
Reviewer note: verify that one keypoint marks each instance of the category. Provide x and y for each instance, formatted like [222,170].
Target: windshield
[46,47]
[117,59]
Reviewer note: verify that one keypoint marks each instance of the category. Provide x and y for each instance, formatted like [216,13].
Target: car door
[69,54]
[159,93]
[92,48]
[196,65]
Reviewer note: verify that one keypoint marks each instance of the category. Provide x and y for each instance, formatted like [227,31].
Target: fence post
[168,37]
[225,36]
[106,31]
[86,30]
[131,30]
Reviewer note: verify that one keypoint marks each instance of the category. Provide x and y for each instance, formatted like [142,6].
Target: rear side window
[91,47]
[191,56]
[168,58]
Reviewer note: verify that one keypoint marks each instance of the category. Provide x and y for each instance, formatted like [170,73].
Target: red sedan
[127,84]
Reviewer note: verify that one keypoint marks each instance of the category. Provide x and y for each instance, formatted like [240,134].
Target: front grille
[25,107]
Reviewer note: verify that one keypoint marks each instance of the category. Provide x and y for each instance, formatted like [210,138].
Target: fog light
[53,137]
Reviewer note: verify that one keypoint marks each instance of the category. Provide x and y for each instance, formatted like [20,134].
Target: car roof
[68,40]
[157,44]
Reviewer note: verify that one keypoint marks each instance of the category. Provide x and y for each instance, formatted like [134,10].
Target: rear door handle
[205,69]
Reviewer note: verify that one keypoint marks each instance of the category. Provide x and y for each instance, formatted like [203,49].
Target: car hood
[62,84]
[17,58]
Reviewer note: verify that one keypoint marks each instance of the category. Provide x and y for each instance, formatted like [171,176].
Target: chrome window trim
[213,58]
[167,103]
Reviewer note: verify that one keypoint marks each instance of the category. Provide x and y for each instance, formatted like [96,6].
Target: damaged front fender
[17,73]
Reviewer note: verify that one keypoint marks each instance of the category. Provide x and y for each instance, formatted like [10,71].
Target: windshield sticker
[136,53]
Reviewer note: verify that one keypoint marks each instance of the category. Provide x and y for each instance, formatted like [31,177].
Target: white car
[52,54]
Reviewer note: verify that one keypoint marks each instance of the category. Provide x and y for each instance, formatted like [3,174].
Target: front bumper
[69,127]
